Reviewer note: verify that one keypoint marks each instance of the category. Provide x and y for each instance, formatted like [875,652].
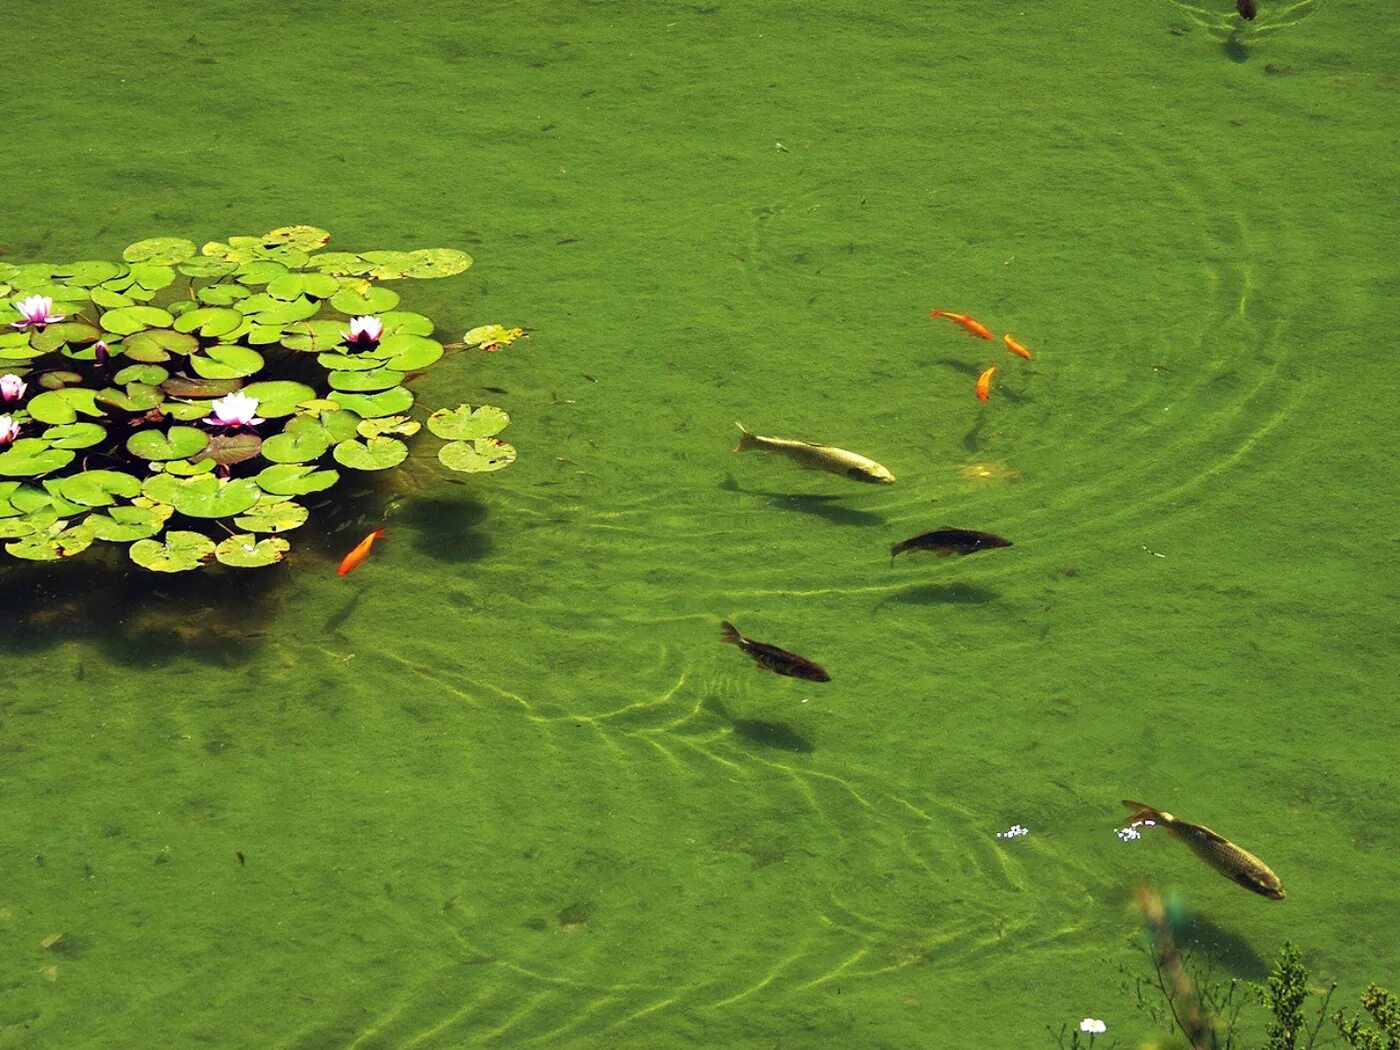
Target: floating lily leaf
[385,403]
[342,425]
[306,238]
[278,397]
[464,422]
[301,441]
[438,262]
[151,276]
[31,499]
[75,435]
[138,397]
[206,496]
[374,379]
[408,353]
[177,443]
[402,322]
[389,266]
[63,406]
[181,552]
[110,300]
[260,272]
[60,505]
[228,449]
[188,468]
[350,362]
[340,264]
[90,272]
[54,543]
[293,285]
[58,380]
[378,453]
[265,310]
[164,510]
[161,488]
[158,344]
[226,362]
[360,298]
[186,411]
[127,320]
[211,321]
[282,516]
[160,250]
[222,294]
[245,551]
[184,386]
[207,267]
[292,479]
[98,488]
[55,335]
[476,456]
[400,425]
[492,336]
[28,457]
[313,336]
[124,524]
[151,375]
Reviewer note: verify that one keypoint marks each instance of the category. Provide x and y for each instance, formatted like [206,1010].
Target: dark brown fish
[944,542]
[1236,864]
[1247,9]
[773,658]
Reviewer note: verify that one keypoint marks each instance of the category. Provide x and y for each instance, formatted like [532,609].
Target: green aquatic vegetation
[182,400]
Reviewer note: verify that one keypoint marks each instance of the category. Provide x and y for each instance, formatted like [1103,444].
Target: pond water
[505,785]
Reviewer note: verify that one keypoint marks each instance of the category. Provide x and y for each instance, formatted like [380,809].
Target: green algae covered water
[505,785]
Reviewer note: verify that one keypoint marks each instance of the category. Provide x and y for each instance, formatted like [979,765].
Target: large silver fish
[1236,864]
[816,457]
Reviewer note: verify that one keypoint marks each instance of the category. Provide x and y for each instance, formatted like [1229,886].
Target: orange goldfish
[984,384]
[1015,347]
[352,560]
[963,321]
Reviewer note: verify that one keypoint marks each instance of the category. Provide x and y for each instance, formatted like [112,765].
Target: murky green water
[504,785]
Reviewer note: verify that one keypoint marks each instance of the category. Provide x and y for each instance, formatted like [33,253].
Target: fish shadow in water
[818,505]
[1234,48]
[1202,935]
[943,594]
[772,734]
[447,529]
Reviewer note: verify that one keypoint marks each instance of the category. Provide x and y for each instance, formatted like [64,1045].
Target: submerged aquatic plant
[184,400]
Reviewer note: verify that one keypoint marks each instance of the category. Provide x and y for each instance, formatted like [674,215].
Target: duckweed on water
[179,401]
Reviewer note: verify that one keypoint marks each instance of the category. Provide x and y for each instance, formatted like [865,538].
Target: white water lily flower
[9,430]
[235,410]
[12,387]
[364,331]
[36,311]
[1093,1026]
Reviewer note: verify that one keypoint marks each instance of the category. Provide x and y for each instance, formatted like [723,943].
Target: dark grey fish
[1235,863]
[945,542]
[774,659]
[1247,9]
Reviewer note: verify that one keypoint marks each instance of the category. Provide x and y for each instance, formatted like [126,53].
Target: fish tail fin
[1142,811]
[378,533]
[938,313]
[729,632]
[895,548]
[746,439]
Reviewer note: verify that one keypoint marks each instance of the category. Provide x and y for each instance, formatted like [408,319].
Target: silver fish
[814,456]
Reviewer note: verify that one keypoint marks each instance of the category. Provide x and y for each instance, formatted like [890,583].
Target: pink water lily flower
[9,430]
[35,311]
[235,410]
[364,333]
[12,387]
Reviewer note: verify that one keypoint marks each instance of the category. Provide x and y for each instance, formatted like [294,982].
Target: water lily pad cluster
[184,401]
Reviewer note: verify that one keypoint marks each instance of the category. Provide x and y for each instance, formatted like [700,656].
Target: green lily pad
[124,524]
[403,322]
[30,499]
[29,457]
[181,552]
[128,320]
[60,505]
[207,267]
[246,551]
[98,488]
[399,425]
[389,402]
[360,298]
[55,335]
[137,397]
[177,443]
[226,362]
[340,424]
[90,272]
[408,353]
[188,468]
[222,294]
[160,250]
[378,453]
[306,238]
[75,435]
[374,379]
[161,488]
[282,516]
[110,300]
[350,362]
[389,266]
[54,543]
[158,344]
[477,456]
[211,321]
[259,272]
[313,336]
[438,262]
[206,496]
[301,441]
[278,397]
[184,386]
[151,375]
[265,310]
[340,264]
[187,411]
[228,449]
[63,406]
[12,528]
[314,284]
[464,422]
[293,479]
[151,276]
[57,380]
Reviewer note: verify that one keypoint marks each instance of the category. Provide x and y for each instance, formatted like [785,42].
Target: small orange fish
[963,321]
[351,561]
[984,385]
[1015,347]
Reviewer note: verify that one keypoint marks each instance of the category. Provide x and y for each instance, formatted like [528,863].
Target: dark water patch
[777,735]
[825,506]
[944,594]
[1204,936]
[448,530]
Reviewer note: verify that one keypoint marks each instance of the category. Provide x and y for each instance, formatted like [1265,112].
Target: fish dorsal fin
[1205,833]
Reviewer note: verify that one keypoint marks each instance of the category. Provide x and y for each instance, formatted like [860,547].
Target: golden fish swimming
[1219,852]
[816,457]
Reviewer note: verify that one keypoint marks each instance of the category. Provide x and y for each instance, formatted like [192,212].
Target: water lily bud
[11,387]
